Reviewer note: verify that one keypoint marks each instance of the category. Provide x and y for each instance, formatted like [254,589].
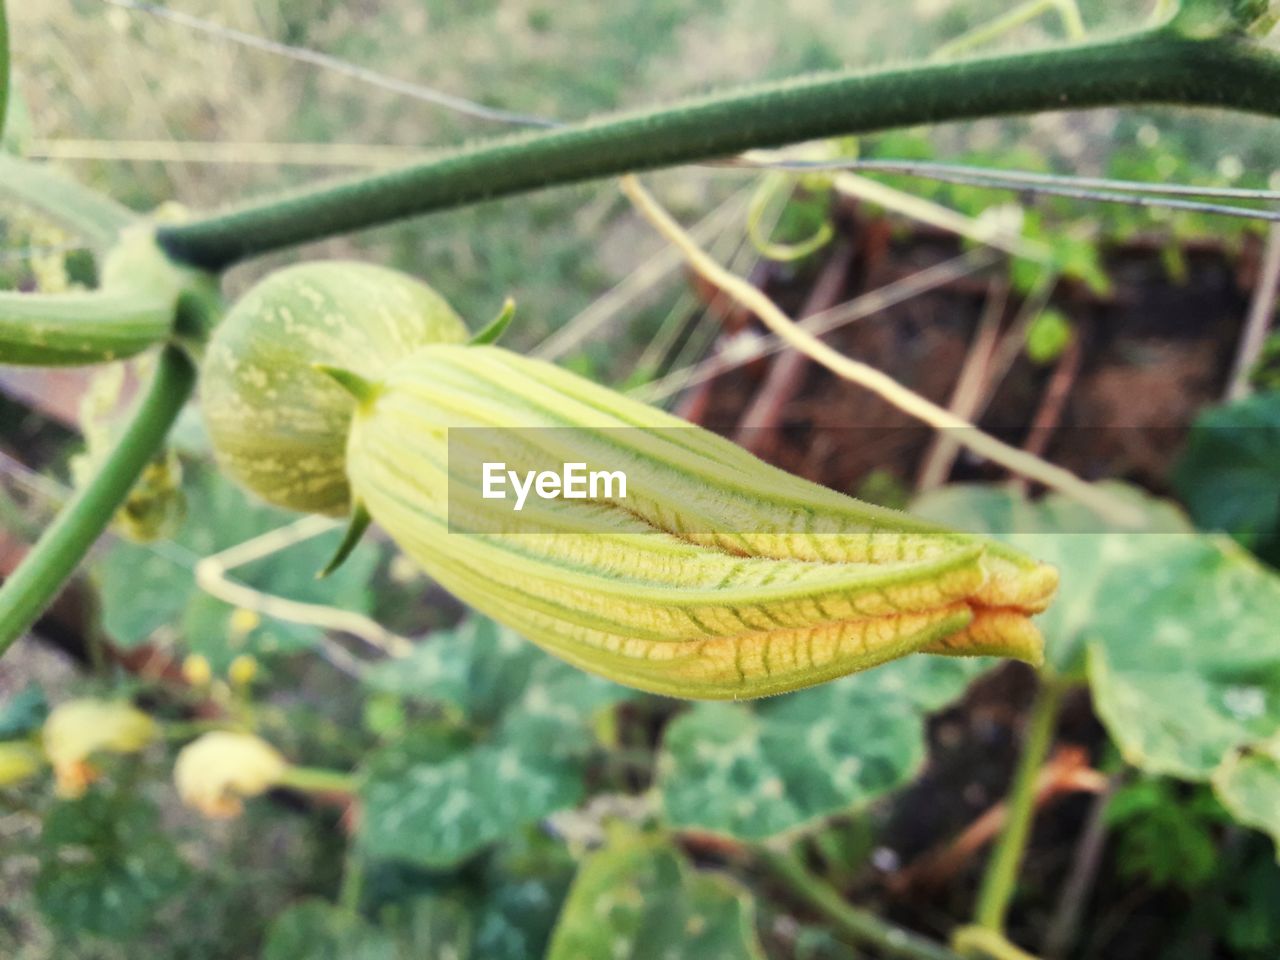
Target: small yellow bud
[242,670]
[19,761]
[243,622]
[78,729]
[196,670]
[215,771]
[403,570]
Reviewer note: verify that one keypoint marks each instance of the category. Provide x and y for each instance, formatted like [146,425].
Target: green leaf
[1179,628]
[755,770]
[516,919]
[1060,531]
[1185,667]
[1229,475]
[1248,785]
[106,867]
[510,899]
[517,752]
[1050,333]
[638,899]
[1166,834]
[23,712]
[321,931]
[147,587]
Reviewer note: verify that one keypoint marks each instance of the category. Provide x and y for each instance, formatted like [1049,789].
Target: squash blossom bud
[214,771]
[196,670]
[243,670]
[705,574]
[77,729]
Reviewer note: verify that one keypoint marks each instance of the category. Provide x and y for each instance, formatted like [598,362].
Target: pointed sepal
[359,523]
[496,327]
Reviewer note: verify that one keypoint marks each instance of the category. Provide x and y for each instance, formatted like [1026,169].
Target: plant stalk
[25,595]
[1001,877]
[861,927]
[82,327]
[1156,66]
[315,780]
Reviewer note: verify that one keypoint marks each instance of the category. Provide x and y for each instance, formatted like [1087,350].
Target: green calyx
[288,366]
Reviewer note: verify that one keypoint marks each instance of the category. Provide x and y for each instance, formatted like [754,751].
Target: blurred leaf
[441,795]
[25,711]
[511,898]
[517,918]
[1249,786]
[1062,532]
[1185,667]
[1165,836]
[756,770]
[321,931]
[144,588]
[524,888]
[1183,652]
[1266,372]
[1229,474]
[434,927]
[638,899]
[106,867]
[1050,333]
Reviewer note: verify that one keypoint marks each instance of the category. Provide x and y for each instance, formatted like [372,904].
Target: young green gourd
[278,424]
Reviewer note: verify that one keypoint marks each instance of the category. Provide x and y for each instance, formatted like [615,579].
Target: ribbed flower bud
[714,575]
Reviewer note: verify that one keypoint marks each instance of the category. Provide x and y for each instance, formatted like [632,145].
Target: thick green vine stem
[1160,65]
[861,927]
[1001,878]
[57,553]
[96,326]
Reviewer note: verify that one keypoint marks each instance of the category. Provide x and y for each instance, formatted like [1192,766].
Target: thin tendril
[1099,189]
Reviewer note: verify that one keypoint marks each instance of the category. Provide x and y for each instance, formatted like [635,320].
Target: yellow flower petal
[78,729]
[213,772]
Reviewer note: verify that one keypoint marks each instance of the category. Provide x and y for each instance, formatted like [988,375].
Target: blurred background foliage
[510,806]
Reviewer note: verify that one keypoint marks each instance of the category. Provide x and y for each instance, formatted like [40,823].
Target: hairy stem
[861,927]
[65,329]
[57,553]
[1001,878]
[1155,66]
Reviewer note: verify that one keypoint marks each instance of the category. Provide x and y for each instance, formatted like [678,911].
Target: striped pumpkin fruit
[278,424]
